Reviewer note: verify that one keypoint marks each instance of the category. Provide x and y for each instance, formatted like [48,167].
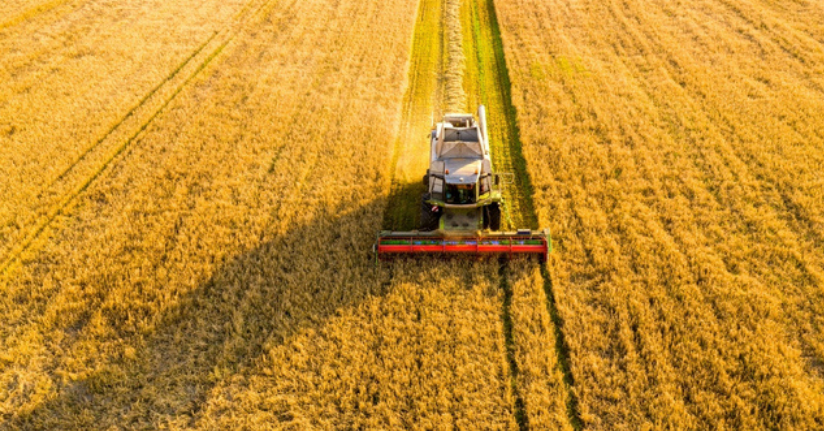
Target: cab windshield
[460,193]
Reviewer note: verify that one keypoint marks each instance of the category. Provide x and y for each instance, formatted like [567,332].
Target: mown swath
[493,89]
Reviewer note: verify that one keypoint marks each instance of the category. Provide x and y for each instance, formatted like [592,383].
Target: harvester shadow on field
[253,303]
[404,205]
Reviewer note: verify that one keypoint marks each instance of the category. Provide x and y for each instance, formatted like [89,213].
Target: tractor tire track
[94,161]
[32,12]
[521,416]
[494,88]
[430,84]
[129,114]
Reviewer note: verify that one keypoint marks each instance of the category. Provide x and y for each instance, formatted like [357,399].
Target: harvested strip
[490,80]
[410,158]
[454,97]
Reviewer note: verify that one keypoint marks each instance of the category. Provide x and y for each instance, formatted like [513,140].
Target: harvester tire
[429,219]
[426,179]
[493,216]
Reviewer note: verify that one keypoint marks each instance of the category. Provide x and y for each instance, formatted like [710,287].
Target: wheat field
[174,268]
[189,192]
[78,80]
[203,260]
[676,152]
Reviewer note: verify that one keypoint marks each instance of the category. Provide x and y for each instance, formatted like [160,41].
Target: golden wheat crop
[675,150]
[241,214]
[77,81]
[189,190]
[540,379]
[210,267]
[16,12]
[425,352]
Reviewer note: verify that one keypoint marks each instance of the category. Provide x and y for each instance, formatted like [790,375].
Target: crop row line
[521,416]
[562,350]
[31,13]
[495,88]
[228,33]
[61,208]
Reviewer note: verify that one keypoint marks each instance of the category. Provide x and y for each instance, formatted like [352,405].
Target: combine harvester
[461,212]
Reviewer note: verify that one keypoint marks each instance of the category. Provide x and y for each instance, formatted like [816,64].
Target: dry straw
[455,98]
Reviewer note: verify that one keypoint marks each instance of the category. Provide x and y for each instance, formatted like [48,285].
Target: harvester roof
[461,149]
[459,142]
[462,170]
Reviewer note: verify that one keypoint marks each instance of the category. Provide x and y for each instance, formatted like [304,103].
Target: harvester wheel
[429,218]
[426,179]
[493,216]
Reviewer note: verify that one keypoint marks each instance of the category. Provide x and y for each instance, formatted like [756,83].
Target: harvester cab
[464,193]
[461,209]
